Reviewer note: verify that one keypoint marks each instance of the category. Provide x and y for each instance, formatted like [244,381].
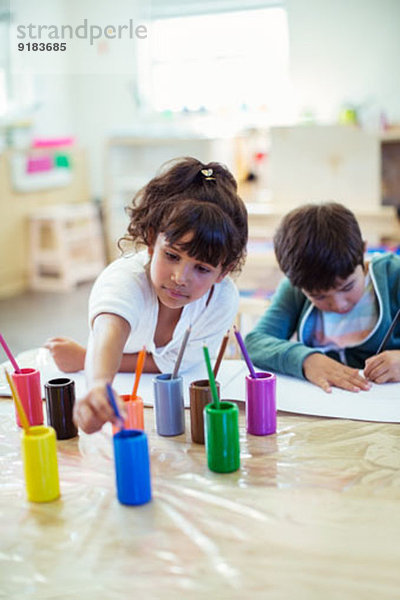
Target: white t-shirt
[124,289]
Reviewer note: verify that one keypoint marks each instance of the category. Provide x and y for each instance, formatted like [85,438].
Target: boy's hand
[383,367]
[93,410]
[326,372]
[68,355]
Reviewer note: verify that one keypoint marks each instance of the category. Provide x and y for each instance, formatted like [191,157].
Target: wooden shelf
[16,207]
[66,246]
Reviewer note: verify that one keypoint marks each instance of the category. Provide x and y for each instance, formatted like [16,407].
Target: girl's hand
[93,410]
[68,355]
[383,367]
[326,372]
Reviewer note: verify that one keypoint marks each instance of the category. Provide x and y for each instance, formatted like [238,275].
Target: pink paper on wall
[53,142]
[38,164]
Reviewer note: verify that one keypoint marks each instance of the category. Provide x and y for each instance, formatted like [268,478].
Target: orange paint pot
[134,413]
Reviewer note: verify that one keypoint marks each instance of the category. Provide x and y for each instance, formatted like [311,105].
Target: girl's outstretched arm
[103,358]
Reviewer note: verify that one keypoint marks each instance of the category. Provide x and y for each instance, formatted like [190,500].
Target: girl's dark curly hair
[191,197]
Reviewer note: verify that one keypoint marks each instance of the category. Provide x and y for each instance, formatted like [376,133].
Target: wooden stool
[66,246]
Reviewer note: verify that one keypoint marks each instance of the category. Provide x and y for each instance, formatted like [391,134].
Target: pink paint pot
[27,382]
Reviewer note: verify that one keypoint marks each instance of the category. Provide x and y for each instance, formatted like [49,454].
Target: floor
[27,320]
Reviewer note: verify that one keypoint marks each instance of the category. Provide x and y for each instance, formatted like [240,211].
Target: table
[312,513]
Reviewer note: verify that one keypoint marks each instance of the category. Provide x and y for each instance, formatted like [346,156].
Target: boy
[338,308]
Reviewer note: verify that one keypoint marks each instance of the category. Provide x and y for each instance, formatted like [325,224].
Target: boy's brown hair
[316,244]
[189,196]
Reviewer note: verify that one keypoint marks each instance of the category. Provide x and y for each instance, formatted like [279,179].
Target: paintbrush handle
[18,404]
[245,353]
[113,403]
[213,387]
[180,354]
[139,369]
[9,354]
[221,354]
[389,332]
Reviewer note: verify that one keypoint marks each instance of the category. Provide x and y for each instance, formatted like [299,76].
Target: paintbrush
[18,404]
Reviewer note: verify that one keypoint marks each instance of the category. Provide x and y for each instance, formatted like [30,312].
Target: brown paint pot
[200,396]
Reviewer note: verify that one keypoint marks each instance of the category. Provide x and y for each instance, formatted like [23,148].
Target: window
[217,61]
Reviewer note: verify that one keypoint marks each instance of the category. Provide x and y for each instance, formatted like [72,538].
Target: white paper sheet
[381,403]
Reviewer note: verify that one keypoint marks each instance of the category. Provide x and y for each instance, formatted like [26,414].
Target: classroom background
[299,99]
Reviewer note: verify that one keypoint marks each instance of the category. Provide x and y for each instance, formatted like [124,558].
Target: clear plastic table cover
[313,512]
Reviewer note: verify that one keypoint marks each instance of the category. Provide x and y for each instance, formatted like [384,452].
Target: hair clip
[207,173]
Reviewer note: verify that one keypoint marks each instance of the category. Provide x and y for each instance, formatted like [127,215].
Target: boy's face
[343,297]
[177,278]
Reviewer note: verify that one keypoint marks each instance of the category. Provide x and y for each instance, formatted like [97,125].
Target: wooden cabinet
[390,167]
[311,163]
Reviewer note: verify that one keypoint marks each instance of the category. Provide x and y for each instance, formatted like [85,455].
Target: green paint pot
[221,430]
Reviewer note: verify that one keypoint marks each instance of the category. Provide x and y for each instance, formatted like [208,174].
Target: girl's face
[177,278]
[343,297]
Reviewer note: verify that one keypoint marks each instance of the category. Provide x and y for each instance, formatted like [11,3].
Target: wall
[342,50]
[40,78]
[103,86]
[345,50]
[88,91]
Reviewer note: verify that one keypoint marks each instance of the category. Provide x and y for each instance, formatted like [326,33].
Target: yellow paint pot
[39,456]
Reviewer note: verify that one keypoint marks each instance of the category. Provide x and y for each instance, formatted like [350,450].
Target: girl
[193,226]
